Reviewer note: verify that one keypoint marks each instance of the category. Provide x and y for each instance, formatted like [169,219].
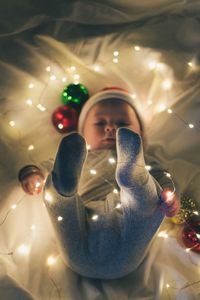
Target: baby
[106,214]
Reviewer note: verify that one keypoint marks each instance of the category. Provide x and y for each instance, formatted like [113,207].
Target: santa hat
[108,93]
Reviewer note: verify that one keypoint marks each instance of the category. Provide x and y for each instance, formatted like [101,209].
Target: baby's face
[104,119]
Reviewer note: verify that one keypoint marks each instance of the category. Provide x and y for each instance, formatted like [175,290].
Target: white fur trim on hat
[103,95]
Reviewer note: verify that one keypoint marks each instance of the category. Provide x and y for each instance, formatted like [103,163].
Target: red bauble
[65,118]
[191,233]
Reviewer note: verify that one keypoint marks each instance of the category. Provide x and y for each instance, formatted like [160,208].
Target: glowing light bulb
[115,60]
[112,160]
[73,68]
[29,102]
[195,213]
[137,48]
[23,249]
[190,64]
[93,172]
[95,217]
[53,77]
[134,96]
[48,68]
[60,126]
[31,147]
[14,206]
[163,234]
[48,197]
[190,125]
[169,111]
[187,250]
[41,107]
[12,123]
[148,167]
[33,227]
[167,285]
[31,86]
[152,65]
[60,218]
[51,260]
[168,174]
[149,102]
[167,84]
[161,107]
[64,79]
[118,205]
[116,53]
[115,191]
[88,147]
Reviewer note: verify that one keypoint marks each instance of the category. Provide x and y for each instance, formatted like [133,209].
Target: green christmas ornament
[75,95]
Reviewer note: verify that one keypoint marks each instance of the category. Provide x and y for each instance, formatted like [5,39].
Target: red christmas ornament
[191,233]
[65,119]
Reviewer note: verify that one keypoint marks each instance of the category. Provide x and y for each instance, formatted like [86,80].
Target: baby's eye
[122,123]
[99,123]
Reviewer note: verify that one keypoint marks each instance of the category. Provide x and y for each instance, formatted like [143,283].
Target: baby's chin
[105,147]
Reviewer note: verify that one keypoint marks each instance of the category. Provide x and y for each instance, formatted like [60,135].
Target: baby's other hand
[33,183]
[170,203]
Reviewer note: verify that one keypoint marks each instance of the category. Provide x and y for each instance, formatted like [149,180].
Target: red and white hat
[107,93]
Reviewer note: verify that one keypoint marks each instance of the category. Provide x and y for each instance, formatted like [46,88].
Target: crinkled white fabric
[35,34]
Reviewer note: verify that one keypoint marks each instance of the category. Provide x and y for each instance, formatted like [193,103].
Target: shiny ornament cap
[107,93]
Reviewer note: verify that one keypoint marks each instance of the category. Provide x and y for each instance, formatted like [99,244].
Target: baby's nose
[111,127]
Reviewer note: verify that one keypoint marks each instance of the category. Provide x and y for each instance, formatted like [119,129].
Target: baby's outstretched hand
[33,184]
[170,203]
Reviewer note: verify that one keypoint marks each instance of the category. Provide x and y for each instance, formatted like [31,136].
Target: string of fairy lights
[73,76]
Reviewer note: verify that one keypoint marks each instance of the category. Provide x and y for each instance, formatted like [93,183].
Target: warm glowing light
[148,167]
[168,174]
[187,250]
[149,102]
[191,125]
[163,234]
[112,160]
[88,147]
[64,79]
[48,197]
[41,107]
[190,64]
[161,107]
[115,60]
[23,249]
[115,191]
[60,218]
[33,227]
[48,68]
[14,206]
[29,102]
[97,68]
[95,217]
[118,205]
[31,147]
[169,111]
[116,53]
[137,48]
[134,96]
[53,77]
[167,84]
[152,65]
[196,213]
[12,123]
[93,172]
[73,68]
[60,126]
[167,285]
[51,260]
[31,85]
